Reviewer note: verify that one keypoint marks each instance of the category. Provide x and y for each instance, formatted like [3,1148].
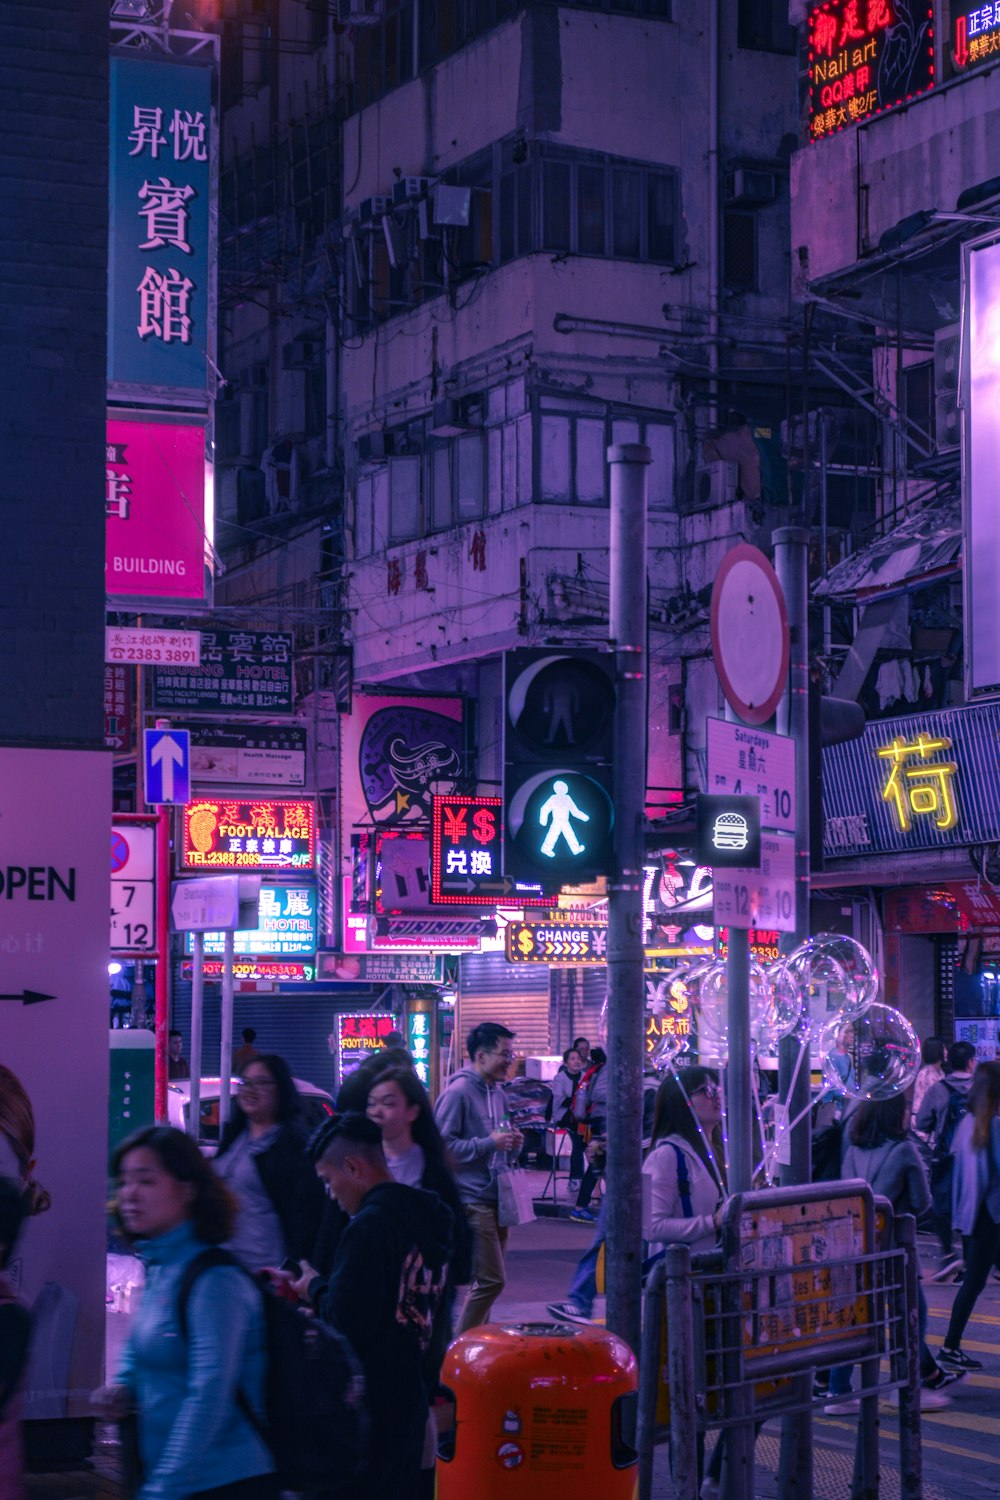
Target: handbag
[515,1204]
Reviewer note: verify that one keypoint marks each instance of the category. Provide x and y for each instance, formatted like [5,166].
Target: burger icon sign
[730,831]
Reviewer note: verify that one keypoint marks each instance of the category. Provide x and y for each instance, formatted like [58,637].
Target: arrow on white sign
[167,754]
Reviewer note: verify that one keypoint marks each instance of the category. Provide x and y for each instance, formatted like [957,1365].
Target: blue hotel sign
[926,781]
[160,242]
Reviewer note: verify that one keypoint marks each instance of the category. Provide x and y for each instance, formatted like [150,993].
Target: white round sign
[750,634]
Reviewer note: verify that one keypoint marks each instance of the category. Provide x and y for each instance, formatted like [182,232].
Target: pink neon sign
[155,511]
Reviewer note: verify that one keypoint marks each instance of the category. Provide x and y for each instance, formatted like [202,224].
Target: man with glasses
[471,1117]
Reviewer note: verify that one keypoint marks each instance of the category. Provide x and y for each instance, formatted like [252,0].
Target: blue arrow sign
[168,766]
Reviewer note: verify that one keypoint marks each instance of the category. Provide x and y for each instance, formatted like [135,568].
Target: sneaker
[933,1400]
[941,1378]
[583,1216]
[958,1277]
[842,1408]
[573,1185]
[949,1265]
[568,1312]
[957,1359]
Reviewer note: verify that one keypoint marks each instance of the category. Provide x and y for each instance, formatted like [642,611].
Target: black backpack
[316,1421]
[958,1105]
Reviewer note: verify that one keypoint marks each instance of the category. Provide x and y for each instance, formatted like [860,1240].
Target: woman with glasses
[686,1162]
[262,1159]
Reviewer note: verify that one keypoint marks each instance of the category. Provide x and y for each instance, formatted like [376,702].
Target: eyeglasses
[506,1054]
[710,1090]
[256,1083]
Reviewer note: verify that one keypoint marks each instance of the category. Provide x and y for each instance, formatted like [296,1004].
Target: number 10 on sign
[759,898]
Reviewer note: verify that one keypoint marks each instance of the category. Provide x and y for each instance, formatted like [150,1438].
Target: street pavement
[961,1444]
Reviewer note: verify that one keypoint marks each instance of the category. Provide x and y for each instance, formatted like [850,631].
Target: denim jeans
[583,1287]
[840,1375]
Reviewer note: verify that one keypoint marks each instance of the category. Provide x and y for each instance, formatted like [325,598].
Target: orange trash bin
[541,1410]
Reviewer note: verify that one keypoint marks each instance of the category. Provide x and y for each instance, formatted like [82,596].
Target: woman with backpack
[193,1374]
[880,1151]
[686,1166]
[975,1206]
[590,1108]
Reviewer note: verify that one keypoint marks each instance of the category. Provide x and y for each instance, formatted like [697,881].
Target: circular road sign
[750,634]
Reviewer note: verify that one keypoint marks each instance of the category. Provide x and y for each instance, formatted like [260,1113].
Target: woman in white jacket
[686,1164]
[687,1169]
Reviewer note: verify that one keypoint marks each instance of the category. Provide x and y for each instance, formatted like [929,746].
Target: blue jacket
[192,1434]
[976,1177]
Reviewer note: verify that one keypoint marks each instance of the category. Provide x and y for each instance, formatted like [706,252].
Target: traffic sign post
[753,762]
[133,889]
[167,768]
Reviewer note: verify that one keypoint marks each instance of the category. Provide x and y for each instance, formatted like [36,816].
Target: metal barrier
[808,1278]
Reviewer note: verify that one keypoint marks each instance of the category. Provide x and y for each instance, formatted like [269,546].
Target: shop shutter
[516,995]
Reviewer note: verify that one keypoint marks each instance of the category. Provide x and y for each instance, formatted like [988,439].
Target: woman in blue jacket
[197,1384]
[975,1205]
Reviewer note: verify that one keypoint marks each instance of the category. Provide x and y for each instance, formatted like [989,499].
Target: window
[404,499]
[739,250]
[764,26]
[573,462]
[604,207]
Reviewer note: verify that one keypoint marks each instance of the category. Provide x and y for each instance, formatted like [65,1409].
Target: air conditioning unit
[452,205]
[751,186]
[716,484]
[947,355]
[409,190]
[371,210]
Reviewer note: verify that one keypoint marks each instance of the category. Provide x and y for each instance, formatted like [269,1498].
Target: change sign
[556,943]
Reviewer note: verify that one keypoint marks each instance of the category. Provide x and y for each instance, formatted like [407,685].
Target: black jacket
[290,1181]
[385,1295]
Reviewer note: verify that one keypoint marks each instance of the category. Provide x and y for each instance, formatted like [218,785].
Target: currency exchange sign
[556,943]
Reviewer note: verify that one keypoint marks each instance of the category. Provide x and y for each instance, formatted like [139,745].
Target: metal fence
[732,1340]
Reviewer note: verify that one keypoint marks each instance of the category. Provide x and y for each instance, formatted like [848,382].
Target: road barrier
[808,1278]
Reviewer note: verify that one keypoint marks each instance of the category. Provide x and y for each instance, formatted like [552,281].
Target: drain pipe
[713,212]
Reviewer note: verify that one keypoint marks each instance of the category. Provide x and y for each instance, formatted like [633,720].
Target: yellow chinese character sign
[914,787]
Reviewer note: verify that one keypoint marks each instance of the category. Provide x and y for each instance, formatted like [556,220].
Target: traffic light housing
[559,814]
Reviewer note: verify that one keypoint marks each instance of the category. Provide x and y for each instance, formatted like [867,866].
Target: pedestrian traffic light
[558,728]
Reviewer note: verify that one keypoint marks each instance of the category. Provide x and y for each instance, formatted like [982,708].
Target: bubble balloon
[673,1009]
[824,985]
[667,1050]
[784,1012]
[712,1009]
[874,1055]
[856,962]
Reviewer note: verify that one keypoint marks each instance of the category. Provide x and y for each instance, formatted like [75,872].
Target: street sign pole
[795,1467]
[226,1057]
[197,1007]
[162,977]
[626,978]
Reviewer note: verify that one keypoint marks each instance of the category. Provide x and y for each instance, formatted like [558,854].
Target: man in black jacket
[384,1293]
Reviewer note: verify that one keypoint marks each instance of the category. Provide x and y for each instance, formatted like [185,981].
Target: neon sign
[921,789]
[976,34]
[866,56]
[418,1042]
[250,835]
[286,926]
[359,1035]
[466,859]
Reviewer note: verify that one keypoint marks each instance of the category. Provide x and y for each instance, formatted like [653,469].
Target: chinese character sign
[358,1036]
[154,504]
[286,926]
[249,835]
[160,246]
[975,33]
[925,781]
[418,1042]
[866,56]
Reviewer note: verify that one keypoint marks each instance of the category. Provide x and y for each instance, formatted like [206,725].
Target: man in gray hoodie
[471,1118]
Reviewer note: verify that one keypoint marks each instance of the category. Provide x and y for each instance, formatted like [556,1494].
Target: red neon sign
[254,834]
[848,80]
[466,858]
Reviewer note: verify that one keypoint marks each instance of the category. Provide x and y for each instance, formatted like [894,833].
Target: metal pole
[162,978]
[197,1007]
[739,1095]
[226,1056]
[680,1374]
[626,987]
[795,1469]
[907,1315]
[650,1363]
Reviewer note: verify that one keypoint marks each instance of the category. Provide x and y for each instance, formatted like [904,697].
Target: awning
[922,548]
[949,906]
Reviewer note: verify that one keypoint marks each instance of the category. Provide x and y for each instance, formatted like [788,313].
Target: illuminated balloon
[856,962]
[824,984]
[712,1009]
[784,1011]
[667,1050]
[881,1048]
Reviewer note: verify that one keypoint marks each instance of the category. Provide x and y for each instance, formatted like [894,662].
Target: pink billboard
[155,511]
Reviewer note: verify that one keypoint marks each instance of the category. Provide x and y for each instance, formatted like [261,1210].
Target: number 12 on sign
[759,898]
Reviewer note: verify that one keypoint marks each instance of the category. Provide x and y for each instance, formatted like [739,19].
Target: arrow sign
[168,766]
[28,997]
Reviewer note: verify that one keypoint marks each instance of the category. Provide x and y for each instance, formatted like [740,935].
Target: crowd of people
[378,1222]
